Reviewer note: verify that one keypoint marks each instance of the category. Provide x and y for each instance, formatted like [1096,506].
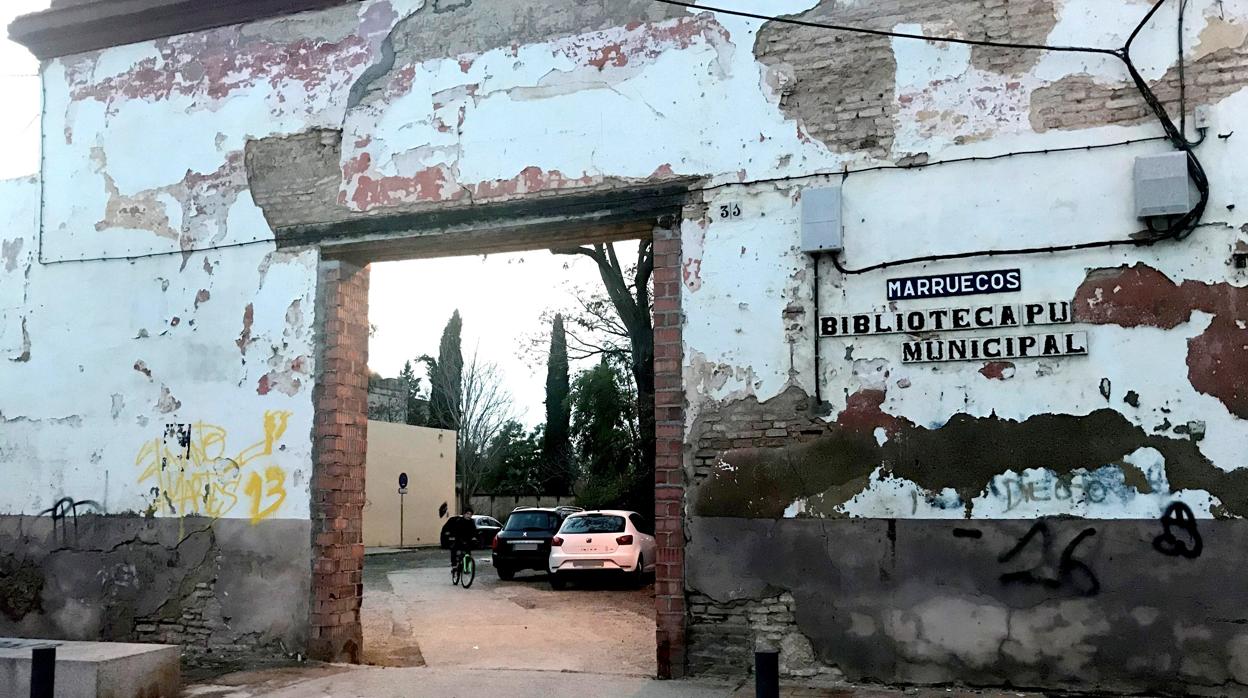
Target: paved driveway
[412,616]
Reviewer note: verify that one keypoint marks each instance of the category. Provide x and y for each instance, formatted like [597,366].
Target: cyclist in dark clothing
[462,530]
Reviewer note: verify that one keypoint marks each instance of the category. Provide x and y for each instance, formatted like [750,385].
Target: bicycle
[463,569]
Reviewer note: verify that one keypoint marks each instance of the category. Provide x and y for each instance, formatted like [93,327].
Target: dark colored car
[487,527]
[524,543]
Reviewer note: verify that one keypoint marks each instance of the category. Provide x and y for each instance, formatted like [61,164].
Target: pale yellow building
[428,458]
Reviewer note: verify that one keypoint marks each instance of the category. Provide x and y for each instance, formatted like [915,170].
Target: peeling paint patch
[167,402]
[244,337]
[964,455]
[9,249]
[141,367]
[23,354]
[192,210]
[217,63]
[998,370]
[1141,296]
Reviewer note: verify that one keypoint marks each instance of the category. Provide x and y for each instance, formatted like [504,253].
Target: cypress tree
[555,442]
[446,377]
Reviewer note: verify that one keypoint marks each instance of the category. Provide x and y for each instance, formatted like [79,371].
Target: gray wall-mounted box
[821,219]
[1162,186]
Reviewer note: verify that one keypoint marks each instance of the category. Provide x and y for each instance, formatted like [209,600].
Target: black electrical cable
[885,33]
[708,188]
[148,255]
[1178,229]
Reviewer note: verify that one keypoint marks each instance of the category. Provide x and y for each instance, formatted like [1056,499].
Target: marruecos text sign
[942,285]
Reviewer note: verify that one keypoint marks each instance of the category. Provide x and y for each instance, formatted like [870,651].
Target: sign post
[402,491]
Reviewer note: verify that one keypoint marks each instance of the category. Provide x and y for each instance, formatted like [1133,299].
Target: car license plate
[587,563]
[526,546]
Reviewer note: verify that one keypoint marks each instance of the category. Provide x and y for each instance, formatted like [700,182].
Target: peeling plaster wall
[146,399]
[1151,419]
[396,107]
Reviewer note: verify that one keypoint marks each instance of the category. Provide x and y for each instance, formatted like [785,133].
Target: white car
[598,541]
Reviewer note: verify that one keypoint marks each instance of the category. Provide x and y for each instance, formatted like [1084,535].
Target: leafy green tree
[446,377]
[417,407]
[556,444]
[606,441]
[628,292]
[518,461]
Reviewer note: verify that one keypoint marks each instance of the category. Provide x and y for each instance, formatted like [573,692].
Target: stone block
[91,669]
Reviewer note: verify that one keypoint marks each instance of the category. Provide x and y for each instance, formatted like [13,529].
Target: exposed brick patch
[669,471]
[844,90]
[747,423]
[340,437]
[724,636]
[1080,101]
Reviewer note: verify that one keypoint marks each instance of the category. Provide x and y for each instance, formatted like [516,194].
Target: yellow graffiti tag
[190,472]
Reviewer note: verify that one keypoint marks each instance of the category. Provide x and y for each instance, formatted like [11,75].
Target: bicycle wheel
[469,572]
[455,572]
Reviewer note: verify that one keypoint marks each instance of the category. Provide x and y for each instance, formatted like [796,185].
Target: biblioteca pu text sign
[976,317]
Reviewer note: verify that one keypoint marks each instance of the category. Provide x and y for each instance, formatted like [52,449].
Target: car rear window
[593,523]
[532,521]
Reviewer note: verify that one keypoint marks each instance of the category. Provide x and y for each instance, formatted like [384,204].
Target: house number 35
[730,210]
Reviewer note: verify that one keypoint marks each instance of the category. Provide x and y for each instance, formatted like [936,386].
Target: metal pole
[42,672]
[767,674]
[400,519]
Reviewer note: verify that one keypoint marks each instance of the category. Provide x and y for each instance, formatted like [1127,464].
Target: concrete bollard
[766,674]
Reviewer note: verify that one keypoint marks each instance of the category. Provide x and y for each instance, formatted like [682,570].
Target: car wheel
[639,576]
[505,573]
[557,583]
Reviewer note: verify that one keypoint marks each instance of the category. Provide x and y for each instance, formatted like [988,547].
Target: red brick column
[339,440]
[669,472]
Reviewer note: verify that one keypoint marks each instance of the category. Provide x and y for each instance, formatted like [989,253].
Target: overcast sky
[19,120]
[500,298]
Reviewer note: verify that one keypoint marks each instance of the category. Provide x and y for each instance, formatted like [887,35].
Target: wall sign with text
[944,285]
[922,347]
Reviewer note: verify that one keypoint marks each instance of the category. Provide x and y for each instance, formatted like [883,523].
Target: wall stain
[21,587]
[1141,296]
[965,454]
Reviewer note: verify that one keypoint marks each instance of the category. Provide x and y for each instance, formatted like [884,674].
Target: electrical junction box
[1162,186]
[821,219]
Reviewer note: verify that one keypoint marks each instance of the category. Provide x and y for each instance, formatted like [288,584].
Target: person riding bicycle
[462,532]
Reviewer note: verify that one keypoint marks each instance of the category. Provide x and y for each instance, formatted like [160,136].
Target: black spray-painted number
[1066,571]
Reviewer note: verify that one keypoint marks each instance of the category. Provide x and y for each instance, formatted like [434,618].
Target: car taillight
[556,542]
[494,543]
[624,540]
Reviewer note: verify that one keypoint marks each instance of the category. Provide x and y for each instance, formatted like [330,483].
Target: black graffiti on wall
[1179,516]
[64,513]
[1054,571]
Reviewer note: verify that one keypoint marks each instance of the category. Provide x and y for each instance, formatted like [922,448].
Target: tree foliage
[556,445]
[417,409]
[446,377]
[628,291]
[605,435]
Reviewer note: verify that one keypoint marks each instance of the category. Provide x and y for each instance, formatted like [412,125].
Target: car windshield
[532,521]
[593,523]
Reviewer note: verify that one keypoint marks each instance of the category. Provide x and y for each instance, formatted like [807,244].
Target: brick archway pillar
[339,434]
[669,471]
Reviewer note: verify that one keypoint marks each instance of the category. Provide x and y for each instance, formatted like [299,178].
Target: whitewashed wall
[144,154]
